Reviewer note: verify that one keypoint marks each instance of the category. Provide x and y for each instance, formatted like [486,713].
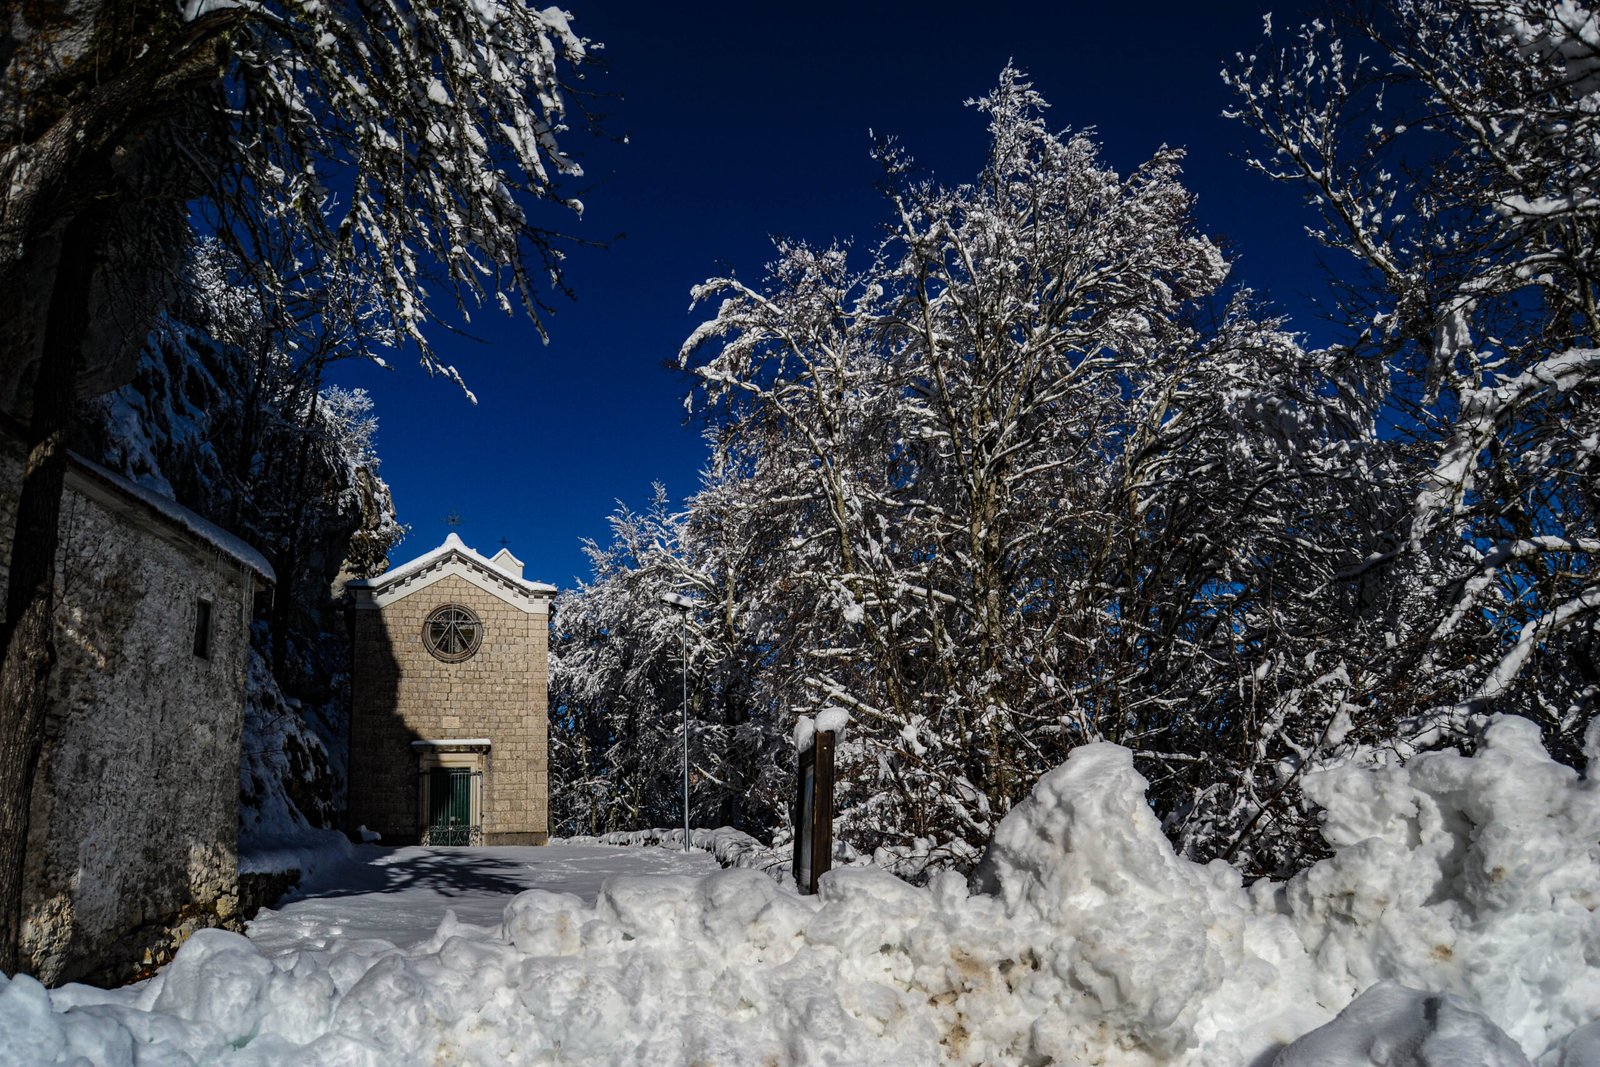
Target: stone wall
[134,821]
[402,693]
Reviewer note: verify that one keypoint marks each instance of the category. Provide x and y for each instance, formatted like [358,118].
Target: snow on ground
[730,847]
[400,895]
[1458,922]
[735,848]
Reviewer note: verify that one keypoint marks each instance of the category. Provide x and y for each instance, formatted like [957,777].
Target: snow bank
[1463,901]
[1479,877]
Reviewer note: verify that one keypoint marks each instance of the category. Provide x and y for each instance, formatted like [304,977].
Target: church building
[449,722]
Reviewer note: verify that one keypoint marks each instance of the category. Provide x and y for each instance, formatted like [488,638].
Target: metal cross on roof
[504,543]
[452,520]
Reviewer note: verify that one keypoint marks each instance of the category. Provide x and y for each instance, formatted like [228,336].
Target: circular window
[452,633]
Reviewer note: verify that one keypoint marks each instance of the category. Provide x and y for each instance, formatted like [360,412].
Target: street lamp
[685,605]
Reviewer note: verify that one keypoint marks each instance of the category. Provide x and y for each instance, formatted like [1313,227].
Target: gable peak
[507,562]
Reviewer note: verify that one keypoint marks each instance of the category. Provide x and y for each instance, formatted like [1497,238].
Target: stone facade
[134,820]
[484,714]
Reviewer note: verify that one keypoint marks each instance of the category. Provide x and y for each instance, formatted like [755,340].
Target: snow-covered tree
[615,687]
[617,681]
[400,143]
[1026,473]
[1026,478]
[1451,151]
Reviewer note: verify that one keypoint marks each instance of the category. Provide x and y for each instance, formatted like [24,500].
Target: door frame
[468,755]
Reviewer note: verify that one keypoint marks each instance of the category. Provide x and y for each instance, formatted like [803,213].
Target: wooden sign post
[813,825]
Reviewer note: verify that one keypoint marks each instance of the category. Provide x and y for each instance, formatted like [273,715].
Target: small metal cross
[452,520]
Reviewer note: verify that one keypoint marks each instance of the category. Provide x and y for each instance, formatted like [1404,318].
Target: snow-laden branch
[1484,412]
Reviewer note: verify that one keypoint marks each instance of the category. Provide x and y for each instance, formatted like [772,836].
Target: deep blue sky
[748,120]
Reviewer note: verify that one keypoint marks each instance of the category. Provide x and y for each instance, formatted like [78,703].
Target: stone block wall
[134,821]
[401,693]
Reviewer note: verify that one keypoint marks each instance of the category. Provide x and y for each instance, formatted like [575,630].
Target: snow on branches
[1028,473]
[402,144]
[1452,153]
[1014,483]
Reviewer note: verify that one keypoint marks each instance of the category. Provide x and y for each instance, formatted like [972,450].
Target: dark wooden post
[813,829]
[822,808]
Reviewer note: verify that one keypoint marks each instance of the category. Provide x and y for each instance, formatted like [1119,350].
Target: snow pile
[1477,876]
[1464,899]
[1166,953]
[1392,1024]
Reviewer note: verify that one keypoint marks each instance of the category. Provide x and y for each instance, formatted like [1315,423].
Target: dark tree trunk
[26,635]
[287,562]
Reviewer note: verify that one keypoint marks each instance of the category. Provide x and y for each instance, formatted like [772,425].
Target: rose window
[452,633]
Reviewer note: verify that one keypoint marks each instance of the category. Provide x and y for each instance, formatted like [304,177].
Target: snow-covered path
[400,895]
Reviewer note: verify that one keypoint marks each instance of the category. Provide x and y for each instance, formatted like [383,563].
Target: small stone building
[133,826]
[450,701]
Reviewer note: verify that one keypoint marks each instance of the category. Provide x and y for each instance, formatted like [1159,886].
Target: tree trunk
[26,635]
[287,562]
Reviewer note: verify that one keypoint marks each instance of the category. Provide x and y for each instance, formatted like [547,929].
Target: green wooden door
[450,807]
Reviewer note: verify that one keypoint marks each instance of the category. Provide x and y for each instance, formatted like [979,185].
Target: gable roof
[129,496]
[151,510]
[453,557]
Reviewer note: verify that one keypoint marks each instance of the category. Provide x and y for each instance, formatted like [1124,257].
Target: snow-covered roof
[174,514]
[505,570]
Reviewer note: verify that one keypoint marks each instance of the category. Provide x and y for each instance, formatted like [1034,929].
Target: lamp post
[685,605]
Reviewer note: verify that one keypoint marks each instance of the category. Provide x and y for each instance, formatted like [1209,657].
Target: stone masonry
[412,710]
[134,819]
